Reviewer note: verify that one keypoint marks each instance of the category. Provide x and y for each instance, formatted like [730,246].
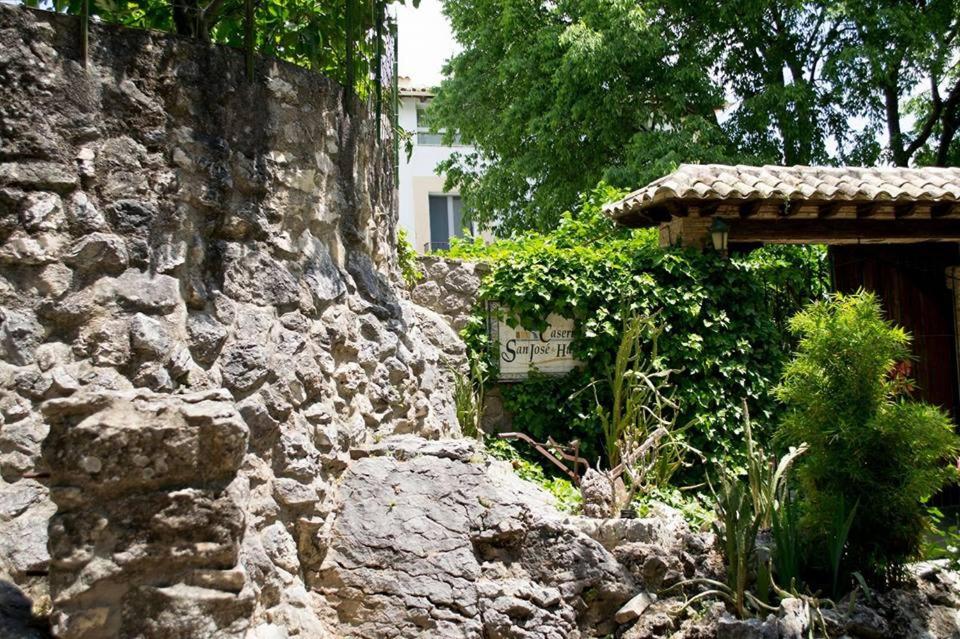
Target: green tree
[770,56]
[557,96]
[903,56]
[871,447]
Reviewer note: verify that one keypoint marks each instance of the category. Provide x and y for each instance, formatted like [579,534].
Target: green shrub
[943,540]
[724,323]
[407,259]
[546,406]
[870,445]
[563,490]
[694,506]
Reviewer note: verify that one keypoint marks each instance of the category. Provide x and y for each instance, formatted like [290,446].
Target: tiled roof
[692,182]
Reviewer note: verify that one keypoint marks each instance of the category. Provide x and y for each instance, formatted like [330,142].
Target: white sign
[521,351]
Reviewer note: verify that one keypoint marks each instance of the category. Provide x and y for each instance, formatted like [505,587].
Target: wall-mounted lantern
[720,234]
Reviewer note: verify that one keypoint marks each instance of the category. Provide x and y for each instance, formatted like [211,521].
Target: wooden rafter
[844,231]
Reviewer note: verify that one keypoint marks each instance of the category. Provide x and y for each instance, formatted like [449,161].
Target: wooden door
[911,281]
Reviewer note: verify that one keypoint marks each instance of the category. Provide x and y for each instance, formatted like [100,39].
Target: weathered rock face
[168,226]
[146,538]
[449,287]
[432,539]
[926,606]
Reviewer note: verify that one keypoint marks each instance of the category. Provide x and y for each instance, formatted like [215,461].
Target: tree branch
[777,21]
[813,33]
[949,122]
[835,31]
[925,131]
[210,11]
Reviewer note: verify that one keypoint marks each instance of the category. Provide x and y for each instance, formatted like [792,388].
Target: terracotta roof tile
[795,183]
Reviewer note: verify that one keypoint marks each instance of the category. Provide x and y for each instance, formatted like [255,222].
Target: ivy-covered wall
[724,319]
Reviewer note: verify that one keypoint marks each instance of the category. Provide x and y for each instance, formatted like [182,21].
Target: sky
[425,41]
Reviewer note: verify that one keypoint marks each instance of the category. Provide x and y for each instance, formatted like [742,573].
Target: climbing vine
[725,321]
[407,259]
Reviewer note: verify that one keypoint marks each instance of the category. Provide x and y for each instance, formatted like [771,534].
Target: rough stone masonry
[202,344]
[189,258]
[220,419]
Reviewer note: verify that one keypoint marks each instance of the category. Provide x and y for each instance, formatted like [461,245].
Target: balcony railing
[426,138]
[430,247]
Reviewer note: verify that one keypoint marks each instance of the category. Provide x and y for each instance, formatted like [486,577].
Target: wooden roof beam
[877,210]
[914,210]
[707,208]
[946,210]
[843,231]
[762,209]
[839,210]
[802,210]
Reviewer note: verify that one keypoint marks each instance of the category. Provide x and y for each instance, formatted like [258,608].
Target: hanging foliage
[308,33]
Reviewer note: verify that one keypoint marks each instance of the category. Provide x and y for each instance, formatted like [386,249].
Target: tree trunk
[892,102]
[185,17]
[949,120]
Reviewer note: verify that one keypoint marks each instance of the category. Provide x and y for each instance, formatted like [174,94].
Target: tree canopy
[559,96]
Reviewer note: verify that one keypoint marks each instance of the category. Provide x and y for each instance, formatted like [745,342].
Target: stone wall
[220,419]
[449,287]
[208,259]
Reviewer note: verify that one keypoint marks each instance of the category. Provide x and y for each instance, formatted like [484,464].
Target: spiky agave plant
[744,509]
[644,446]
[468,399]
[736,527]
[766,476]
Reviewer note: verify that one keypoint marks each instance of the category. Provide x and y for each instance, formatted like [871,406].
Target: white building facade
[430,214]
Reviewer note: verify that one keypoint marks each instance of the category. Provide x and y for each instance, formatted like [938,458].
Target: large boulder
[434,539]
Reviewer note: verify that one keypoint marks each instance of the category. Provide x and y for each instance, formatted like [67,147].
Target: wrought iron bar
[249,37]
[379,69]
[542,448]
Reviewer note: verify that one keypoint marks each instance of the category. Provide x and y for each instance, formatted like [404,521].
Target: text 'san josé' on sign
[521,350]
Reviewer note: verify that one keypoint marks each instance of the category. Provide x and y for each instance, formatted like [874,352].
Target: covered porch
[895,231]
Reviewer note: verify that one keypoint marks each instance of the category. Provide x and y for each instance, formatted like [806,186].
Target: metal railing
[429,247]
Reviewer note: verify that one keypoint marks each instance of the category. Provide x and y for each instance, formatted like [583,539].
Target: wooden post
[248,37]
